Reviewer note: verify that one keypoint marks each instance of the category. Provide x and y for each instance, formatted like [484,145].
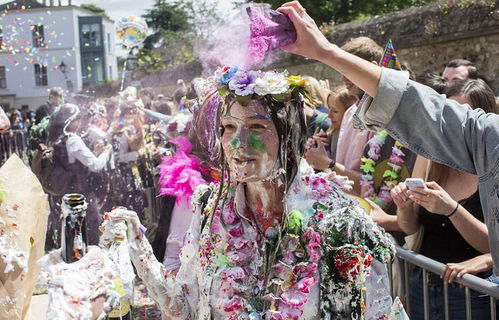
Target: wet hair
[480,96]
[434,81]
[456,63]
[289,121]
[365,48]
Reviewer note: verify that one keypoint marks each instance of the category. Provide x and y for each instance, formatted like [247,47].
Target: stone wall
[424,37]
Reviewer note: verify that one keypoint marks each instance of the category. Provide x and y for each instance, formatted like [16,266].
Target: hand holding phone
[415,183]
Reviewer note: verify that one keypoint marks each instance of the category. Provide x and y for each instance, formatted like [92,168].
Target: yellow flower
[296,81]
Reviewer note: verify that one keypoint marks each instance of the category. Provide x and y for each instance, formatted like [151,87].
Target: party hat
[390,59]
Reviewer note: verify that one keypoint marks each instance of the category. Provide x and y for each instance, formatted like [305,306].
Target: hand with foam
[121,224]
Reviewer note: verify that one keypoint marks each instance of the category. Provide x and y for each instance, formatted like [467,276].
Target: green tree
[95,9]
[340,11]
[176,25]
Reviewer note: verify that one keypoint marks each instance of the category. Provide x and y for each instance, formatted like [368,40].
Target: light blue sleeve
[432,125]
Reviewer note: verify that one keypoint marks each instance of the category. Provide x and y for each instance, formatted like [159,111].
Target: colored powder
[256,142]
[246,38]
[269,30]
[235,142]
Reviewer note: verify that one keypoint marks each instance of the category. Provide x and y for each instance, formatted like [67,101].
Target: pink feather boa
[181,174]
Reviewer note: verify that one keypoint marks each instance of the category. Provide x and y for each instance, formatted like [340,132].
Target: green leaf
[295,220]
[222,260]
[390,173]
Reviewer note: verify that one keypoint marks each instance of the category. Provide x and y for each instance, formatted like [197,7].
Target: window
[92,69]
[90,35]
[109,43]
[41,75]
[110,75]
[38,36]
[3,78]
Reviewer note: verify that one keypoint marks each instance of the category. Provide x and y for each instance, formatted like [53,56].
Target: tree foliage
[95,9]
[340,11]
[176,24]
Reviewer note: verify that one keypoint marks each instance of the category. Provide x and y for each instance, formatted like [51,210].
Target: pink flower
[215,226]
[384,194]
[288,257]
[238,243]
[311,235]
[234,304]
[314,251]
[290,313]
[304,284]
[294,298]
[374,151]
[230,217]
[236,231]
[236,256]
[303,270]
[236,273]
[396,156]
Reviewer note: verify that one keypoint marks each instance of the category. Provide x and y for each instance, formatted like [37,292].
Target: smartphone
[414,183]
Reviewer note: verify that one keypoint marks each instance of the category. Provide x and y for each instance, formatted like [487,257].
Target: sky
[120,8]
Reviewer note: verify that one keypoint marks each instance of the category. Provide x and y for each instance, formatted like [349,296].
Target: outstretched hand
[310,41]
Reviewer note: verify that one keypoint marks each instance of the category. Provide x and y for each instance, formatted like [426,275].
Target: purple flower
[243,83]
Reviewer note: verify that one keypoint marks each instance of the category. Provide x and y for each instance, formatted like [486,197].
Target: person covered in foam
[272,240]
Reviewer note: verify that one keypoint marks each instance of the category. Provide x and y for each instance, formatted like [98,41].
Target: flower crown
[251,85]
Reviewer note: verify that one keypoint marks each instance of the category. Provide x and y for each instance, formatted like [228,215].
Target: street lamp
[62,67]
[69,83]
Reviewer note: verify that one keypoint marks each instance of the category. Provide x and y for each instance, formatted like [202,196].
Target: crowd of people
[239,144]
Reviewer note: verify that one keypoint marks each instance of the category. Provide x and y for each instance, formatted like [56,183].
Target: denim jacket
[441,130]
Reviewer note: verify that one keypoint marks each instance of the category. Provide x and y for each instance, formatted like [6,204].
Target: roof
[18,4]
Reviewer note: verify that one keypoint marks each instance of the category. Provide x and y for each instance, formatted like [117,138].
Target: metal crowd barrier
[13,141]
[469,282]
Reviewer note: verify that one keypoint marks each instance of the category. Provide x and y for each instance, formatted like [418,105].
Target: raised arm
[426,122]
[311,43]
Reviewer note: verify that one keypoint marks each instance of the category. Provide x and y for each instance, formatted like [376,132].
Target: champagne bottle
[74,231]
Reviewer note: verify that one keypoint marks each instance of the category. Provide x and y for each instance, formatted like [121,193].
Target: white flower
[271,83]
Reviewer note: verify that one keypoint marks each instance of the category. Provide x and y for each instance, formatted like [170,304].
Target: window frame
[41,75]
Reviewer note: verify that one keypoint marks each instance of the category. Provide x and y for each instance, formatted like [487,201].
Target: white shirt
[77,150]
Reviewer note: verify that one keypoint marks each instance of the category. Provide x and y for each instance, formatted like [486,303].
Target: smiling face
[250,142]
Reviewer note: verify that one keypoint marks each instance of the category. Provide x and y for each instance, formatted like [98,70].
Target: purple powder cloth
[269,30]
